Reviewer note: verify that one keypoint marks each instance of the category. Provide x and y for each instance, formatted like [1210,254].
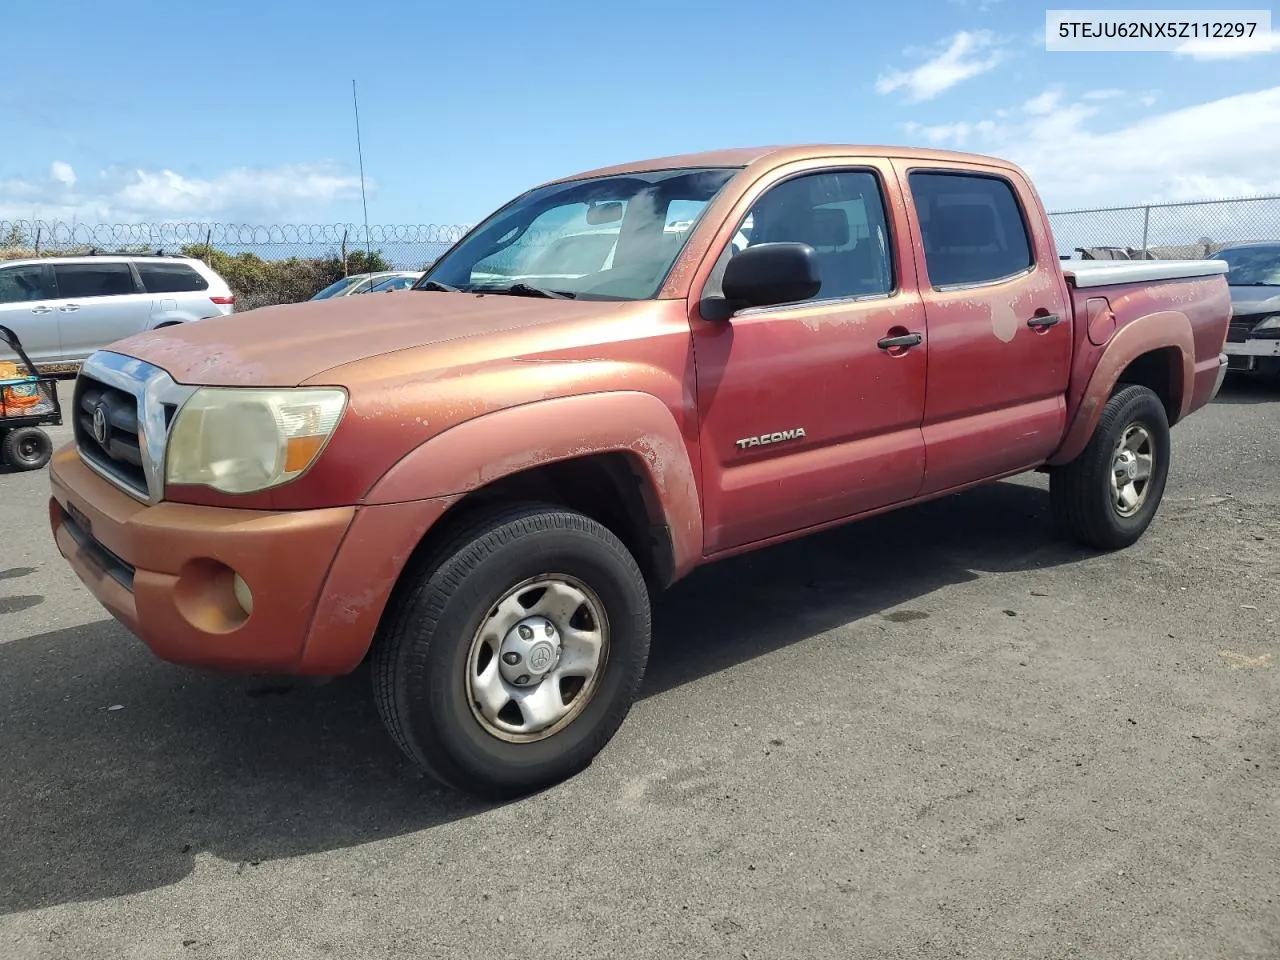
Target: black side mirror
[771,273]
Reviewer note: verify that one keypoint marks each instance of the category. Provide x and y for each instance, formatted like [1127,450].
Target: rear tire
[1108,495]
[27,448]
[451,666]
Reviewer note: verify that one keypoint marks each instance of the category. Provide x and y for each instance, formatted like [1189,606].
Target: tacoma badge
[794,434]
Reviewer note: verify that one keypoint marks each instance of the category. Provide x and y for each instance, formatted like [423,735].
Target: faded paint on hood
[287,344]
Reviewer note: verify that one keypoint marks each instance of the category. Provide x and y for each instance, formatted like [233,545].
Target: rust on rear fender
[1155,331]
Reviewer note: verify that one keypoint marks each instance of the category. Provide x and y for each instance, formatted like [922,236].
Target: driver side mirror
[771,273]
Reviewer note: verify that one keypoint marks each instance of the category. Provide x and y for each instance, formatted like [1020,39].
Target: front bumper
[166,571]
[1251,354]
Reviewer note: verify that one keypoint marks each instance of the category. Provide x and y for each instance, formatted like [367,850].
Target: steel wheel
[536,659]
[1132,466]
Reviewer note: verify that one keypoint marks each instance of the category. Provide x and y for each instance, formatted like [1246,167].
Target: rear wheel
[510,659]
[27,448]
[1109,494]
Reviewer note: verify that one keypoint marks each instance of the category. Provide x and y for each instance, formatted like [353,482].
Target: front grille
[106,431]
[1242,328]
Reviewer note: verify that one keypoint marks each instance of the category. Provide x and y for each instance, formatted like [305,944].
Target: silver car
[65,308]
[362,283]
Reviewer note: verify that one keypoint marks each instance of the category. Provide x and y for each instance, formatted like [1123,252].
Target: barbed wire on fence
[53,234]
[279,263]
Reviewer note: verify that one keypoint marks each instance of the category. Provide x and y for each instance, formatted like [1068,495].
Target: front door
[27,307]
[805,417]
[98,304]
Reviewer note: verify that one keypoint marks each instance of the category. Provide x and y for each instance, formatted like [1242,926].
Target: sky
[242,112]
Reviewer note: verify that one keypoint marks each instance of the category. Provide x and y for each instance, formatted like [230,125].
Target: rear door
[178,292]
[99,302]
[999,317]
[27,307]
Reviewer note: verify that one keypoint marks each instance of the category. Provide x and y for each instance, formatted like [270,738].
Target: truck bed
[1101,273]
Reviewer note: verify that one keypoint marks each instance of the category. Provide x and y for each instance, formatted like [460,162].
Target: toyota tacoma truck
[478,485]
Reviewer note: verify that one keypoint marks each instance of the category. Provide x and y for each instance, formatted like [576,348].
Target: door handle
[906,340]
[42,310]
[1044,321]
[70,308]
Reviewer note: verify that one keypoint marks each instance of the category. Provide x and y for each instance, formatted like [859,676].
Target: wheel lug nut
[522,679]
[551,631]
[525,632]
[511,658]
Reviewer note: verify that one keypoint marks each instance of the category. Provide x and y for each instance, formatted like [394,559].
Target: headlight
[241,441]
[1269,323]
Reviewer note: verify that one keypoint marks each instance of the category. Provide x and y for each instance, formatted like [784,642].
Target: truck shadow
[99,802]
[1247,388]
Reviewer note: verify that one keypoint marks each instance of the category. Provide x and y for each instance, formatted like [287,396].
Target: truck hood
[1247,301]
[284,345]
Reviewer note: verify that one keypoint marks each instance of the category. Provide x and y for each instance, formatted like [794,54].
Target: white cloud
[968,54]
[286,193]
[63,173]
[1206,48]
[1109,93]
[1225,147]
[1044,104]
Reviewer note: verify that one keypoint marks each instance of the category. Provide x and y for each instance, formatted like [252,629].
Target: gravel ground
[937,733]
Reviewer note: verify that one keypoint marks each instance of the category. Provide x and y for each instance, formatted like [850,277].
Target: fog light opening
[244,596]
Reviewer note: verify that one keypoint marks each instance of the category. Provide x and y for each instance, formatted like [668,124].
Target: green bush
[259,283]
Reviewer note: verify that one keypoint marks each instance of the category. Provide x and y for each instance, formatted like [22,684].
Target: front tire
[1108,495]
[511,656]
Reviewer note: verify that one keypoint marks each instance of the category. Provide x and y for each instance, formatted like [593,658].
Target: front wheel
[507,662]
[1108,495]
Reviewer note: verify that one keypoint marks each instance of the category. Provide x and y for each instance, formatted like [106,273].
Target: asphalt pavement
[937,733]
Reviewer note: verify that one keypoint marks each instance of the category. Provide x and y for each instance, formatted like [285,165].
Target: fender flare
[480,451]
[1165,329]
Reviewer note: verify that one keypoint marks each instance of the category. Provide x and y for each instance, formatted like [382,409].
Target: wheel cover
[29,448]
[1133,465]
[536,660]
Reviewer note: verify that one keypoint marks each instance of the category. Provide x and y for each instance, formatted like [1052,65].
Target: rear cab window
[81,281]
[170,278]
[973,228]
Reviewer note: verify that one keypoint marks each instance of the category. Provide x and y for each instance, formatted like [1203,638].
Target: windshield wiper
[437,285]
[528,290]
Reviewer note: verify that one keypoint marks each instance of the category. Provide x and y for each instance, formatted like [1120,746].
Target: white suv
[65,308]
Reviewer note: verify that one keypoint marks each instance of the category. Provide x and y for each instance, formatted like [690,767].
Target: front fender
[1154,331]
[480,451]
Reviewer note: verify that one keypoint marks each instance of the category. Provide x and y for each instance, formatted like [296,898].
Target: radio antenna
[368,249]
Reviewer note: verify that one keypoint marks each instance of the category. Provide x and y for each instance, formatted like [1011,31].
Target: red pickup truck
[478,483]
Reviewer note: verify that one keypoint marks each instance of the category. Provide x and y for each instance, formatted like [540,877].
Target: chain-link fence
[289,263]
[1166,231]
[262,264]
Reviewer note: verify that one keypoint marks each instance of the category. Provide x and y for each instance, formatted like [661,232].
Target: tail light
[225,301]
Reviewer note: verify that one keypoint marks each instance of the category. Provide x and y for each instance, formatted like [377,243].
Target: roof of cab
[771,156]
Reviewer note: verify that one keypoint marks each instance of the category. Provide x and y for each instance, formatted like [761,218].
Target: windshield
[334,288]
[1252,266]
[393,283]
[606,238]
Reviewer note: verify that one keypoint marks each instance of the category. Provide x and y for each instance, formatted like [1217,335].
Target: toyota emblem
[100,425]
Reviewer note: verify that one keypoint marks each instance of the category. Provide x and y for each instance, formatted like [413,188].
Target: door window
[972,227]
[24,283]
[170,278]
[79,281]
[841,215]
